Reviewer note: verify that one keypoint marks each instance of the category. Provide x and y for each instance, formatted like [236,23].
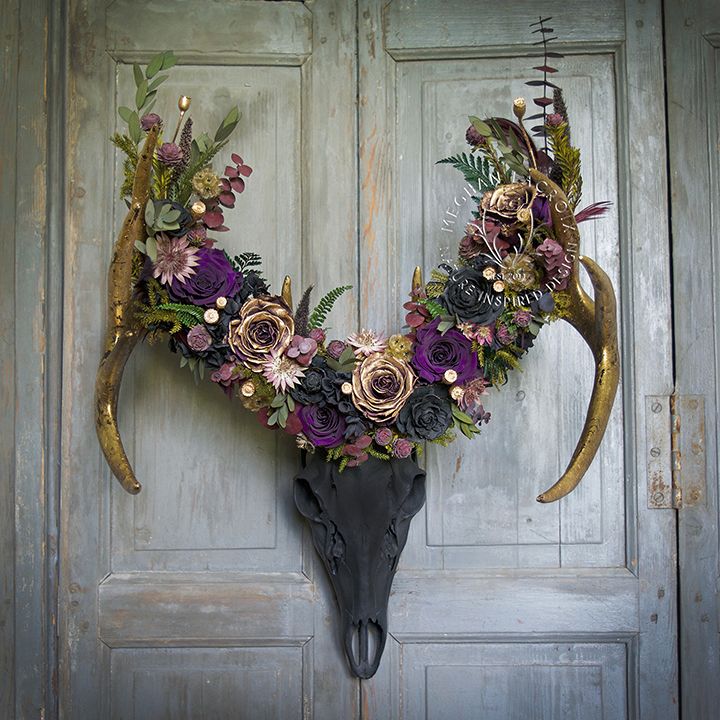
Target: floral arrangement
[368,394]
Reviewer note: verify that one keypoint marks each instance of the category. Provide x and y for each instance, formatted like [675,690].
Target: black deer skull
[359,521]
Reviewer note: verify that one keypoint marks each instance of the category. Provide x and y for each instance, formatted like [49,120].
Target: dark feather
[593,212]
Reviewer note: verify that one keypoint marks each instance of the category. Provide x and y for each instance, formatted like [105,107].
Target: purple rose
[198,338]
[434,353]
[147,121]
[402,448]
[214,277]
[170,154]
[323,426]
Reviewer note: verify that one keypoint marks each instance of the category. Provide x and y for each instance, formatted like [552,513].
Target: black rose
[471,297]
[426,415]
[310,389]
[253,286]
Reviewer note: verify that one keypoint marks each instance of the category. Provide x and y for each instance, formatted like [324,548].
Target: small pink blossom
[283,372]
[176,259]
[302,350]
[335,348]
[383,436]
[402,448]
[367,342]
[318,335]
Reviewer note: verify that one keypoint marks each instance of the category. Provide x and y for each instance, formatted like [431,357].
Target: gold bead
[489,273]
[198,209]
[248,388]
[221,303]
[346,388]
[211,316]
[450,376]
[456,392]
[498,286]
[184,103]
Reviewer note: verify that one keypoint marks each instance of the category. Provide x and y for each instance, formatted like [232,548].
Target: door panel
[198,597]
[693,50]
[504,607]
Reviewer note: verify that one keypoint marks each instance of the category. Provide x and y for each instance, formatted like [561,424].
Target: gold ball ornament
[184,103]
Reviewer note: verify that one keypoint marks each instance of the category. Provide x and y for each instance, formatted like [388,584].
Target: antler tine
[596,321]
[122,331]
[417,279]
[286,292]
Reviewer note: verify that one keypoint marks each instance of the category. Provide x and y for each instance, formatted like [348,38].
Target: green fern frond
[434,289]
[323,308]
[438,276]
[124,143]
[433,307]
[476,169]
[151,318]
[247,260]
[190,311]
[377,454]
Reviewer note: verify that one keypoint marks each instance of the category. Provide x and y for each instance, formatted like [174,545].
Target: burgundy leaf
[231,172]
[237,184]
[245,170]
[236,159]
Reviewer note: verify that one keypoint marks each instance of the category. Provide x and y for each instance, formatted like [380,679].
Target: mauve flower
[318,335]
[473,137]
[383,436]
[170,154]
[335,348]
[176,259]
[402,448]
[471,401]
[147,121]
[426,415]
[555,119]
[522,318]
[323,426]
[198,338]
[380,386]
[434,353]
[226,373]
[557,264]
[214,277]
[503,334]
[470,296]
[264,326]
[302,350]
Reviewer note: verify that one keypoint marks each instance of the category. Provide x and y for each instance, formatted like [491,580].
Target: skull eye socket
[306,500]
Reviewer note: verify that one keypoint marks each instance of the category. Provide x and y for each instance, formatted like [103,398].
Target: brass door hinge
[675,441]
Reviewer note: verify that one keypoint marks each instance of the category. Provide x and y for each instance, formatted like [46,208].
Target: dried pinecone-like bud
[380,386]
[520,272]
[206,183]
[399,347]
[264,326]
[473,137]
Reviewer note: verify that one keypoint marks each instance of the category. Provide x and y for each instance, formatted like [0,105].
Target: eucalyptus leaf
[138,73]
[125,113]
[283,415]
[278,401]
[134,129]
[290,403]
[461,416]
[154,66]
[141,93]
[151,248]
[169,60]
[272,420]
[150,213]
[139,245]
[183,361]
[482,127]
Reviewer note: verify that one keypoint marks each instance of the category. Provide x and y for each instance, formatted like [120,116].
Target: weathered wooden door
[198,598]
[201,597]
[506,608]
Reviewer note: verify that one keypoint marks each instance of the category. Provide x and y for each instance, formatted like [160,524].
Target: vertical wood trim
[692,36]
[646,288]
[32,339]
[9,11]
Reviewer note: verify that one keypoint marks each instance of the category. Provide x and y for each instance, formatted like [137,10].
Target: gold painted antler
[596,321]
[123,330]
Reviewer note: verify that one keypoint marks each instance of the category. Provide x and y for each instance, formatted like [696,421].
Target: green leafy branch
[323,308]
[282,405]
[147,83]
[464,422]
[476,170]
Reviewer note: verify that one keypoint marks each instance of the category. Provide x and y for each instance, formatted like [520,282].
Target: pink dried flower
[170,154]
[176,259]
[383,436]
[198,338]
[283,372]
[318,335]
[147,121]
[226,373]
[367,342]
[483,334]
[555,119]
[503,334]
